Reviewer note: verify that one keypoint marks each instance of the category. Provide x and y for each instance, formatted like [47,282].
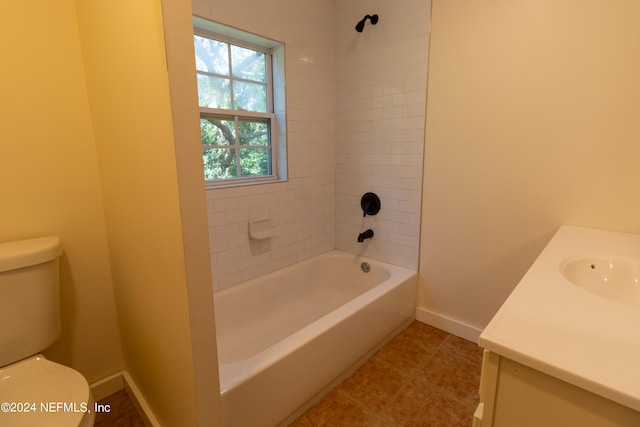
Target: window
[241,118]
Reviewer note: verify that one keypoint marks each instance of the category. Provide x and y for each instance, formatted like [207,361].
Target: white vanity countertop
[560,329]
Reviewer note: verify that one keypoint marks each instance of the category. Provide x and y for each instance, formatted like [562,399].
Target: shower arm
[360,25]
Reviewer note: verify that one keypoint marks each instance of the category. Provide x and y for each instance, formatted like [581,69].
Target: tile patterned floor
[423,377]
[122,412]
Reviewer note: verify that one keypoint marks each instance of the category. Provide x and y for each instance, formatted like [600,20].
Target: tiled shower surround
[355,123]
[381,80]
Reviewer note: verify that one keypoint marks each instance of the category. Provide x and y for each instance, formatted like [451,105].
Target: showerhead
[360,25]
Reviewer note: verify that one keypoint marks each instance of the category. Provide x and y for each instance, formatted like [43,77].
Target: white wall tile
[355,123]
[302,209]
[381,93]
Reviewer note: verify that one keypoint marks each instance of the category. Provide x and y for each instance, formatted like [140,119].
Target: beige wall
[128,85]
[49,175]
[178,30]
[532,122]
[88,153]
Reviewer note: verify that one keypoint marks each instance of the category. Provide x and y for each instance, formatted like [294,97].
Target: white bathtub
[285,337]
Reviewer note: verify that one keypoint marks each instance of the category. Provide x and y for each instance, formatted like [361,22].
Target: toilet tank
[29,297]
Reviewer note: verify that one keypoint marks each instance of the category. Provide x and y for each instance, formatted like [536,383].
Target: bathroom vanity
[564,349]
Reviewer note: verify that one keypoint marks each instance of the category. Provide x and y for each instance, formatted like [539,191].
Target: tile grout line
[446,346]
[412,375]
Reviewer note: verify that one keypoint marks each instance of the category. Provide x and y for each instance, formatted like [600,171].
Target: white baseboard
[139,401]
[123,381]
[107,386]
[448,324]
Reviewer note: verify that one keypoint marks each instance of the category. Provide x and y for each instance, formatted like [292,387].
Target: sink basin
[613,278]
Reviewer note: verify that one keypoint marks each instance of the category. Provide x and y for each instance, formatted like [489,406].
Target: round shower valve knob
[370,204]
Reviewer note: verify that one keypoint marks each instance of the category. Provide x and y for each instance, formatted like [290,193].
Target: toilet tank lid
[25,253]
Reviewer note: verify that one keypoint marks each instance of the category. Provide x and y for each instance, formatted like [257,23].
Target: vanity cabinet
[515,395]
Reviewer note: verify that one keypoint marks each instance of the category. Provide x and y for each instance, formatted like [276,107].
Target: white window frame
[276,113]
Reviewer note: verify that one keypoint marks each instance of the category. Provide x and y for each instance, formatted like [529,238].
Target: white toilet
[35,391]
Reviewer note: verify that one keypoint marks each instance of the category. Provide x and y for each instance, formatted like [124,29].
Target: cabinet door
[525,397]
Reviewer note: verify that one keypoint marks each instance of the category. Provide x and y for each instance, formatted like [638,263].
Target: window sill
[242,182]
